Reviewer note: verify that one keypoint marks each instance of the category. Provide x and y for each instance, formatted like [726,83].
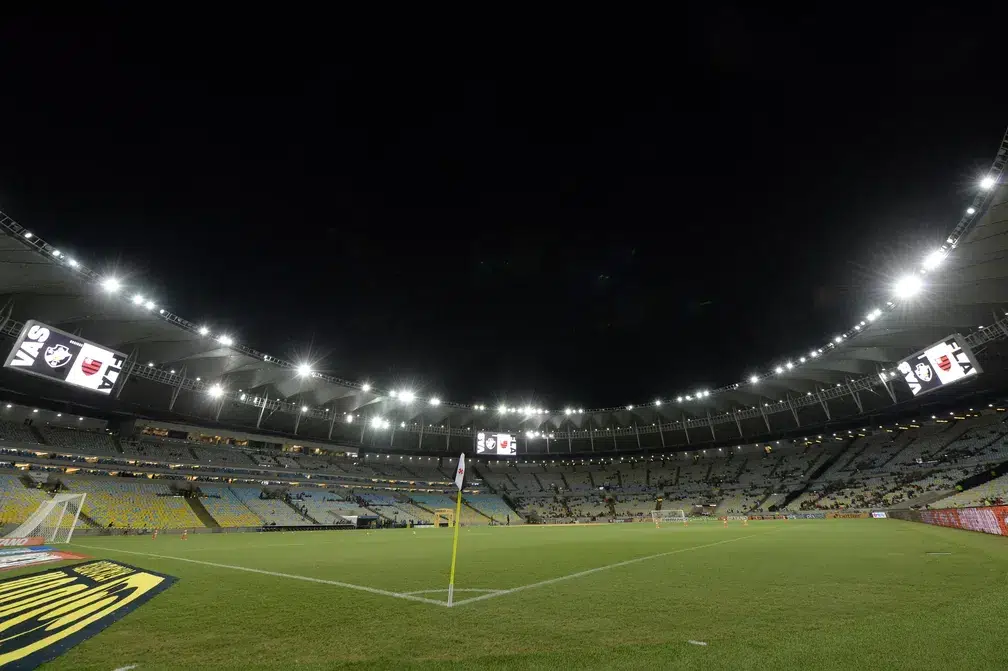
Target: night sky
[593,221]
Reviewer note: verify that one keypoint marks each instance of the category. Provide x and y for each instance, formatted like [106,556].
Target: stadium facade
[180,371]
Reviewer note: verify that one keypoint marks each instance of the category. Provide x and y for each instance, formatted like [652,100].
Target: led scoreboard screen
[497,444]
[48,352]
[947,361]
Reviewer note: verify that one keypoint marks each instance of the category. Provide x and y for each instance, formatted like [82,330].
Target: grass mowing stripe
[571,576]
[277,574]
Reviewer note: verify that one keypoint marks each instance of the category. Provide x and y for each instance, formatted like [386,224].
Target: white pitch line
[571,576]
[337,583]
[441,591]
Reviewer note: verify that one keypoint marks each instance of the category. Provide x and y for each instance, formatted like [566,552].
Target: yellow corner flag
[459,479]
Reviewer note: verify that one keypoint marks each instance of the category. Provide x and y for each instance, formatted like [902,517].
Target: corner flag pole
[459,478]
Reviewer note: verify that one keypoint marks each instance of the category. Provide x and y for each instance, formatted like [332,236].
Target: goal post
[54,520]
[668,516]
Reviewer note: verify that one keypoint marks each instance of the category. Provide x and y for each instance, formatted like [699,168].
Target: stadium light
[801,360]
[934,259]
[225,340]
[435,401]
[73,262]
[657,401]
[28,235]
[406,396]
[379,422]
[753,379]
[908,286]
[203,330]
[304,408]
[873,315]
[304,370]
[138,299]
[580,411]
[366,387]
[215,391]
[778,370]
[789,365]
[57,254]
[987,182]
[349,418]
[502,409]
[970,210]
[149,305]
[629,407]
[110,284]
[568,411]
[678,399]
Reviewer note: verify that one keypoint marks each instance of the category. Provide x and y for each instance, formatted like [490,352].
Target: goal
[660,516]
[54,520]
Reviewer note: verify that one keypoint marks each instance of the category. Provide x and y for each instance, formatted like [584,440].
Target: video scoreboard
[497,444]
[48,352]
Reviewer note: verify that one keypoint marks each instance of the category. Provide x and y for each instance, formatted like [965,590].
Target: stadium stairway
[612,507]
[195,456]
[201,512]
[476,510]
[619,479]
[567,486]
[677,470]
[515,484]
[301,514]
[539,482]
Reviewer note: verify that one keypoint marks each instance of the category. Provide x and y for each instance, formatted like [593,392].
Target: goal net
[53,520]
[668,516]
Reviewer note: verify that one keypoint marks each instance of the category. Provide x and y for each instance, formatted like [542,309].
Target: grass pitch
[820,594]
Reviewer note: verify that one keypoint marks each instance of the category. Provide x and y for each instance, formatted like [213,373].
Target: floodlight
[932,260]
[138,299]
[366,387]
[28,235]
[149,305]
[970,210]
[753,379]
[304,408]
[349,418]
[801,360]
[502,409]
[73,262]
[580,411]
[435,401]
[150,364]
[778,370]
[657,401]
[225,340]
[304,370]
[568,411]
[110,284]
[406,396]
[56,253]
[629,407]
[908,286]
[789,365]
[377,422]
[215,391]
[985,183]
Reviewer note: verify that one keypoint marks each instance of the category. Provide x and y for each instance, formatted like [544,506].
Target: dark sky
[594,220]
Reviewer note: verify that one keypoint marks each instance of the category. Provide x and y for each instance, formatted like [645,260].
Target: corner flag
[460,472]
[459,478]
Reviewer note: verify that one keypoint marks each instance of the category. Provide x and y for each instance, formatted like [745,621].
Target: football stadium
[173,497]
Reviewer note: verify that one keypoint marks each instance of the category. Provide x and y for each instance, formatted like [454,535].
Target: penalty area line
[579,574]
[275,574]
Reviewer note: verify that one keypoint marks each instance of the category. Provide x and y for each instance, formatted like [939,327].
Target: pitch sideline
[276,574]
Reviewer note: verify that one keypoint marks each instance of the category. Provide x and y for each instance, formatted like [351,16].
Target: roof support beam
[686,429]
[178,388]
[262,409]
[854,395]
[128,369]
[765,420]
[738,424]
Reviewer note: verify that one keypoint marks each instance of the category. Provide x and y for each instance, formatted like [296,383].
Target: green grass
[829,594]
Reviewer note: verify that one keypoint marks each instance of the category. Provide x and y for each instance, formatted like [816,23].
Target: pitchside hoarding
[48,352]
[944,362]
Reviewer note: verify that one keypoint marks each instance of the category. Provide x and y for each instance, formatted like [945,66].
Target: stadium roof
[963,287]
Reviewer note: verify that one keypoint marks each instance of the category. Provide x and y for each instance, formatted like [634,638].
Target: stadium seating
[17,502]
[133,503]
[227,509]
[84,442]
[270,511]
[17,433]
[492,506]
